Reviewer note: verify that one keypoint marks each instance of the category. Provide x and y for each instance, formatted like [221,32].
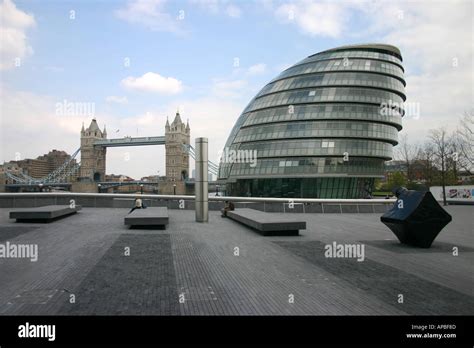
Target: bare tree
[440,142]
[407,152]
[426,158]
[464,142]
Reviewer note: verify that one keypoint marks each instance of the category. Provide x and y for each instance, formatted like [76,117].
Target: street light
[98,187]
[40,187]
[174,189]
[141,188]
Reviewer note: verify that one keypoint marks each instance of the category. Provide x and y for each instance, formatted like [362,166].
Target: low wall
[275,205]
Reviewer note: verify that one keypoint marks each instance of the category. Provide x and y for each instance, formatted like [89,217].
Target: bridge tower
[177,159]
[92,158]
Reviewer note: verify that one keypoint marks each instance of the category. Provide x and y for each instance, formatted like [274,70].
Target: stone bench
[47,213]
[151,217]
[268,224]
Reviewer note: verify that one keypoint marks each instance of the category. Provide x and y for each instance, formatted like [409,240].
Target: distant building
[43,165]
[36,168]
[152,178]
[118,178]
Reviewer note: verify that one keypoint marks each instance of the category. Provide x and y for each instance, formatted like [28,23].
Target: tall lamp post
[98,187]
[141,188]
[174,189]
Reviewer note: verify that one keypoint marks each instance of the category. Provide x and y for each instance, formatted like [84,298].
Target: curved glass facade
[322,128]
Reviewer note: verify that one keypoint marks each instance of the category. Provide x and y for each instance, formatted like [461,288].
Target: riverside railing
[269,204]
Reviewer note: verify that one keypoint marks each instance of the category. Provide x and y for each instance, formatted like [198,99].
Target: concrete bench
[268,224]
[151,217]
[47,213]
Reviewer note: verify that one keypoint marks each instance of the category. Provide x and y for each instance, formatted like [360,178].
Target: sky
[133,63]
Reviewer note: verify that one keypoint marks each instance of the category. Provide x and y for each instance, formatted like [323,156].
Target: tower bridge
[86,175]
[94,144]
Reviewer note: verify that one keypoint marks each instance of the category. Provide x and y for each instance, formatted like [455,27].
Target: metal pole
[201,180]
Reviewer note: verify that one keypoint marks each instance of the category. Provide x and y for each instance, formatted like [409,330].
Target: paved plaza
[224,268]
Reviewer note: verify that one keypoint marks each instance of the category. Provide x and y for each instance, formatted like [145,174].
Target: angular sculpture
[416,218]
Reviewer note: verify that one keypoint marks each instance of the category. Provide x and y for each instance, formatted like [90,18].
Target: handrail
[210,198]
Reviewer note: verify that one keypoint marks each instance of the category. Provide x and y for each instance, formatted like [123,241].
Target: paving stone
[215,281]
[10,232]
[142,283]
[397,247]
[386,283]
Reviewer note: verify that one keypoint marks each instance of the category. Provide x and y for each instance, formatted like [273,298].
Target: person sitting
[138,204]
[228,206]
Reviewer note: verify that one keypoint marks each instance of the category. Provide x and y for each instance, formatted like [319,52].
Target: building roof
[93,126]
[177,119]
[374,46]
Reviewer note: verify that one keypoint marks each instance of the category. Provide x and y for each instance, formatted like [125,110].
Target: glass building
[321,129]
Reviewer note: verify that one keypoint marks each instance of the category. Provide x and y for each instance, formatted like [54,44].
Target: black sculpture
[416,218]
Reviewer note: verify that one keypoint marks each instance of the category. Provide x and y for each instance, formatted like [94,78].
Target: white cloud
[34,136]
[228,89]
[152,82]
[314,18]
[116,99]
[257,69]
[211,6]
[13,40]
[151,14]
[233,11]
[219,6]
[436,44]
